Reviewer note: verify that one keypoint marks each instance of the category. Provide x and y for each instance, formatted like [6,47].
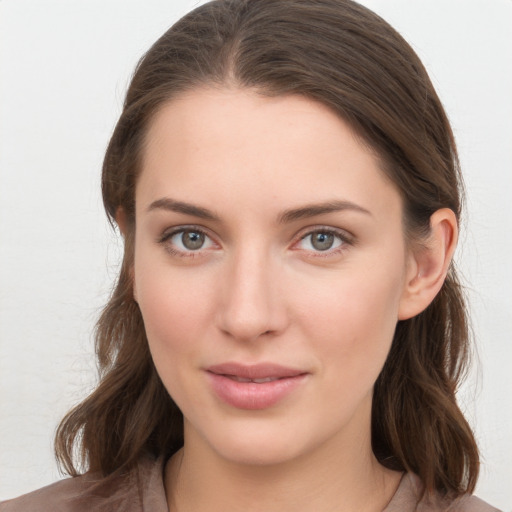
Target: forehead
[241,117]
[220,144]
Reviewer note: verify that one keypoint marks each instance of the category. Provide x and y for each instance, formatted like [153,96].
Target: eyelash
[344,238]
[167,236]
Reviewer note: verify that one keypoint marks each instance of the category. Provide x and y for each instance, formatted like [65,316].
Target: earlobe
[429,264]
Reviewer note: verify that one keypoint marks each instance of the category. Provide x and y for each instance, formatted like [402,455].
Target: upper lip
[254,371]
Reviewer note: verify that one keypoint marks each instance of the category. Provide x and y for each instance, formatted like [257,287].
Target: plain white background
[64,68]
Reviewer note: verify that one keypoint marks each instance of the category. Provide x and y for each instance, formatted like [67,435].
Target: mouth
[257,381]
[263,372]
[254,386]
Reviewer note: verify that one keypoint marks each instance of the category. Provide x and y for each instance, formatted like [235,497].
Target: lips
[253,386]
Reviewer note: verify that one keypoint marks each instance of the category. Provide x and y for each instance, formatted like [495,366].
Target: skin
[259,290]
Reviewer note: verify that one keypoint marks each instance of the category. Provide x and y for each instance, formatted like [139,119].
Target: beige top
[142,490]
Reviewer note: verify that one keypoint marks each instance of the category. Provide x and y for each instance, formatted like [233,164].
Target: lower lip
[253,395]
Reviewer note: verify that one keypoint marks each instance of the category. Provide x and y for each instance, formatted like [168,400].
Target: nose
[251,304]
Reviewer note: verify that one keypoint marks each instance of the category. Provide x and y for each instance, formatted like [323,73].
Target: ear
[122,222]
[428,264]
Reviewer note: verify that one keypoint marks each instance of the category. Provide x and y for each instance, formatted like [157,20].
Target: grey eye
[186,241]
[192,240]
[322,241]
[189,240]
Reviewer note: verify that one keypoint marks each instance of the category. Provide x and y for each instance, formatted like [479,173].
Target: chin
[263,443]
[254,453]
[250,442]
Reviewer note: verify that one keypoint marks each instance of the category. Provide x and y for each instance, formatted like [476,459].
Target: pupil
[192,240]
[322,241]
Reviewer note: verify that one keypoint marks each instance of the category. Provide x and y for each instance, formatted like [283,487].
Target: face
[270,264]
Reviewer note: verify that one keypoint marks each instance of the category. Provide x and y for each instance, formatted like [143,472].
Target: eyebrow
[172,205]
[312,210]
[286,217]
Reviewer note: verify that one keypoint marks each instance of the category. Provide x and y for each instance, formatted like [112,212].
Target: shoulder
[470,504]
[66,495]
[128,492]
[409,492]
[464,504]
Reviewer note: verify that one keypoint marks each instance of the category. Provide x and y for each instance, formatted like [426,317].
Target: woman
[287,186]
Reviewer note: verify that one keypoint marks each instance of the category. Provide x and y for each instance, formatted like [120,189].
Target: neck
[332,479]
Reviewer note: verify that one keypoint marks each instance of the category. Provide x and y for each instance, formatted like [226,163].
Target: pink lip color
[253,395]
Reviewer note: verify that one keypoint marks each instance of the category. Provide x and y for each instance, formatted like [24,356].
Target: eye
[184,241]
[322,240]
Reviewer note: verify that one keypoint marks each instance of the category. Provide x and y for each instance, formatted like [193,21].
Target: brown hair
[346,57]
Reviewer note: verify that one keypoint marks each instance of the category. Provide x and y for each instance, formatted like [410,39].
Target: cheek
[175,306]
[352,317]
[175,313]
